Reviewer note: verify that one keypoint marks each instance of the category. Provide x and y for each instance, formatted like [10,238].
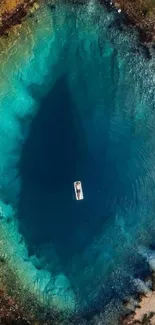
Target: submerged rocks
[153,281]
[139,13]
[142,287]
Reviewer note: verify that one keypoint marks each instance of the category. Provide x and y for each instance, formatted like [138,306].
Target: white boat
[78,190]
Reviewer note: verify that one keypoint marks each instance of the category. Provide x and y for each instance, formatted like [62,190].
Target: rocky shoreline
[16,306]
[13,15]
[141,309]
[140,14]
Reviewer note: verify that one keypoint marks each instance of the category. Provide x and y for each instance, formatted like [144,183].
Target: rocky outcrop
[142,309]
[12,13]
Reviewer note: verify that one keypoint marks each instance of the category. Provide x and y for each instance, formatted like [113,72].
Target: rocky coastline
[141,308]
[139,13]
[12,13]
[18,306]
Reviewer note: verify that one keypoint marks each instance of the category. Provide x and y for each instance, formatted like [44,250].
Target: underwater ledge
[33,69]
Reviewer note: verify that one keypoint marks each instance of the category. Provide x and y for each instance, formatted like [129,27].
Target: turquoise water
[83,109]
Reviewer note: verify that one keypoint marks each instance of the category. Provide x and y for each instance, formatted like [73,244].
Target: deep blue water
[54,156]
[94,122]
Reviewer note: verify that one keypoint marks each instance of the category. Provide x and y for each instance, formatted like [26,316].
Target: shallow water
[89,116]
